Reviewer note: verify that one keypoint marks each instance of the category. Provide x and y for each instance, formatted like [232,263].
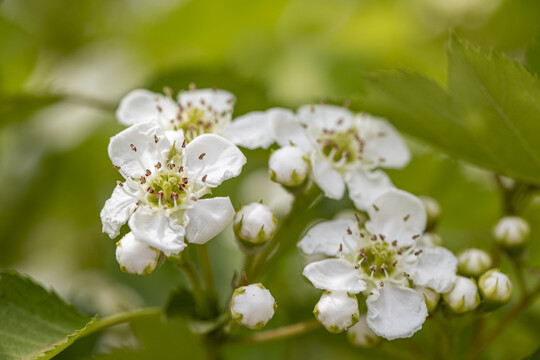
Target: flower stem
[120,318]
[279,333]
[207,273]
[189,269]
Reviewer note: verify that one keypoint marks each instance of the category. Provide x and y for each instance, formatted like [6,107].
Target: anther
[349,231]
[394,243]
[230,100]
[394,263]
[181,169]
[174,196]
[150,190]
[384,267]
[400,252]
[133,147]
[406,217]
[416,237]
[405,274]
[382,237]
[119,183]
[373,238]
[381,159]
[116,167]
[156,140]
[159,194]
[357,217]
[203,179]
[158,165]
[159,108]
[143,180]
[184,143]
[357,266]
[202,156]
[148,172]
[171,166]
[373,268]
[381,283]
[362,235]
[340,247]
[418,252]
[185,180]
[375,207]
[303,125]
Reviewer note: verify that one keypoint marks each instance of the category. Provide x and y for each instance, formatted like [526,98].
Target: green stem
[279,333]
[189,269]
[120,319]
[207,273]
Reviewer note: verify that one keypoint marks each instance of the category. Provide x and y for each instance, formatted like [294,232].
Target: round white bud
[495,287]
[430,240]
[288,166]
[431,298]
[252,306]
[464,295]
[433,210]
[512,231]
[473,262]
[255,223]
[135,257]
[337,311]
[361,335]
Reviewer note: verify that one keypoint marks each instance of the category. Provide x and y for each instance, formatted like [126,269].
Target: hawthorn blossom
[161,197]
[344,149]
[381,261]
[253,306]
[194,112]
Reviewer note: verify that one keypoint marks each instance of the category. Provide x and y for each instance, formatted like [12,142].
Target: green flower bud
[337,311]
[254,224]
[252,306]
[473,262]
[463,297]
[511,232]
[433,211]
[361,335]
[495,288]
[431,298]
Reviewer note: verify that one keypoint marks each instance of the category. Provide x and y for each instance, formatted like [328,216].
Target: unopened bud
[495,288]
[361,335]
[431,298]
[430,240]
[254,224]
[252,306]
[512,232]
[288,166]
[473,262]
[433,211]
[135,257]
[463,297]
[337,311]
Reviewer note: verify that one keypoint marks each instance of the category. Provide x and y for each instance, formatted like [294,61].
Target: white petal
[148,152]
[221,161]
[175,137]
[395,312]
[326,237]
[251,131]
[329,117]
[117,210]
[207,218]
[288,130]
[334,275]
[383,144]
[142,105]
[135,257]
[329,180]
[337,311]
[158,230]
[219,100]
[366,186]
[436,269]
[398,215]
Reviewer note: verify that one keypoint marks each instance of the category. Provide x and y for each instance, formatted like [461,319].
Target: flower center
[195,120]
[167,186]
[378,259]
[343,147]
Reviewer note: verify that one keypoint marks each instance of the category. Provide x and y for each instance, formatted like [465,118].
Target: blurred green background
[66,64]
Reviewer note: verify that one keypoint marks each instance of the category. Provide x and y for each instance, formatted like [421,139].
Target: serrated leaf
[35,323]
[489,114]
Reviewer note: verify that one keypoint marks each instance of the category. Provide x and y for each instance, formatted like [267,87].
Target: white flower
[464,295]
[255,223]
[473,262]
[343,149]
[161,197]
[337,311]
[135,257]
[195,112]
[495,287]
[288,166]
[512,231]
[361,335]
[253,306]
[379,262]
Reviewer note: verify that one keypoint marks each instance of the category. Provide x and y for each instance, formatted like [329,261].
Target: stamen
[133,147]
[184,143]
[373,238]
[119,183]
[158,165]
[416,237]
[394,243]
[418,252]
[406,217]
[159,108]
[202,156]
[159,194]
[148,172]
[174,196]
[375,207]
[116,167]
[382,237]
[357,217]
[394,263]
[381,283]
[349,231]
[204,178]
[150,189]
[156,140]
[171,166]
[143,180]
[406,275]
[181,169]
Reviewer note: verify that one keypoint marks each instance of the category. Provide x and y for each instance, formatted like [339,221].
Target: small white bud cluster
[463,297]
[288,166]
[337,311]
[473,262]
[511,232]
[495,287]
[253,306]
[254,224]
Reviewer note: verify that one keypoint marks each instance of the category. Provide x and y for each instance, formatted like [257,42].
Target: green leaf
[489,114]
[534,356]
[533,56]
[36,323]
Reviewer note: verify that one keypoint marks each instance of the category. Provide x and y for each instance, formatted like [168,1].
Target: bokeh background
[66,64]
